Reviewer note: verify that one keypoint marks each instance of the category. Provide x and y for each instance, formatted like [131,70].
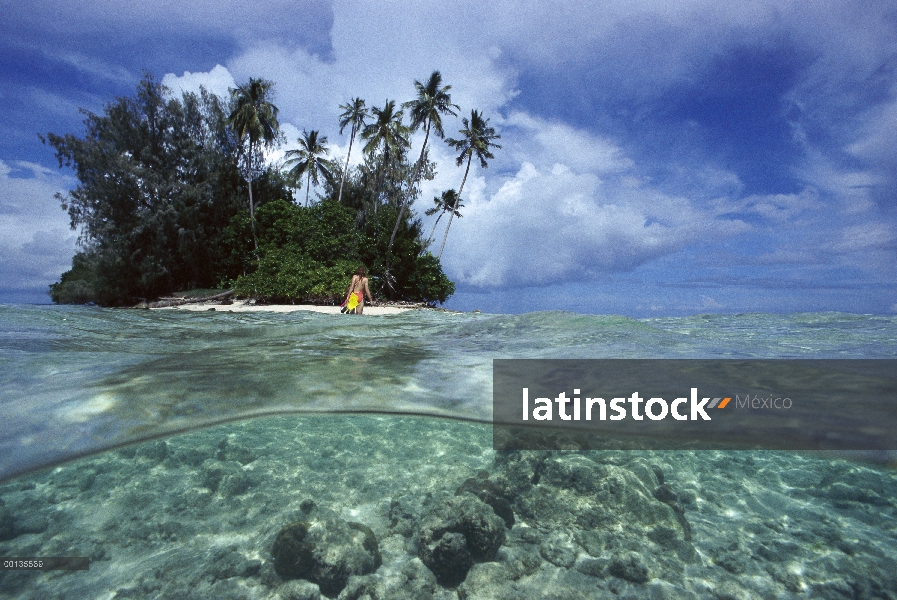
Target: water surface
[77,380]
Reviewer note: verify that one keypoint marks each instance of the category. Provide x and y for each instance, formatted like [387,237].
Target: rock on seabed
[326,551]
[457,533]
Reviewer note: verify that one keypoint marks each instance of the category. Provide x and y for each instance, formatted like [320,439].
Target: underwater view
[305,455]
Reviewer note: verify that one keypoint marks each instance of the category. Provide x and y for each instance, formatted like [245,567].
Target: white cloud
[847,189]
[865,237]
[554,225]
[776,209]
[559,143]
[37,243]
[92,66]
[874,145]
[870,247]
[53,103]
[218,81]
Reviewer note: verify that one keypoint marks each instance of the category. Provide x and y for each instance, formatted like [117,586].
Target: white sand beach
[240,306]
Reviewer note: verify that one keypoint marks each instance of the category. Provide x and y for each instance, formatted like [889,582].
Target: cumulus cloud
[218,81]
[549,142]
[554,224]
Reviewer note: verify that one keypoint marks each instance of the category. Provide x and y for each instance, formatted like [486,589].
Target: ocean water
[172,448]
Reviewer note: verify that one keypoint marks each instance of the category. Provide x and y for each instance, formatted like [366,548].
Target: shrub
[289,275]
[77,286]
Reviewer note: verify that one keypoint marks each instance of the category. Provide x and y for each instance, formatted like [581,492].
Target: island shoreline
[379,309]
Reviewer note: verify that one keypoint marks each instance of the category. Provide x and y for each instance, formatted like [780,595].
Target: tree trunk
[307,186]
[163,303]
[414,177]
[251,205]
[457,200]
[346,169]
[395,229]
[380,179]
[432,231]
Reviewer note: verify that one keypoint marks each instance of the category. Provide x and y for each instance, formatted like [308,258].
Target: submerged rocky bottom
[362,507]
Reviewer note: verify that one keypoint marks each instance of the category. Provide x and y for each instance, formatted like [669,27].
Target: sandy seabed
[198,515]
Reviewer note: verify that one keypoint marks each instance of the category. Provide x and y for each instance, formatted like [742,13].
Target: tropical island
[177,193]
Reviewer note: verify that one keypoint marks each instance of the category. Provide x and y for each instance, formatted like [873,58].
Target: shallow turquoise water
[194,515]
[76,380]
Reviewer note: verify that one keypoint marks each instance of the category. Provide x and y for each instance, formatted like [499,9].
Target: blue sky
[658,158]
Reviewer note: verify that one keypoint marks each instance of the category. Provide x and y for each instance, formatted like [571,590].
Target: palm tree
[427,109]
[309,159]
[477,140]
[355,114]
[387,133]
[254,118]
[444,204]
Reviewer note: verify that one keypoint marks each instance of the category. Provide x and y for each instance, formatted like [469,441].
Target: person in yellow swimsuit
[357,291]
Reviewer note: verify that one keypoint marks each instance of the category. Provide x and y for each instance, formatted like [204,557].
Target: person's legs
[361,306]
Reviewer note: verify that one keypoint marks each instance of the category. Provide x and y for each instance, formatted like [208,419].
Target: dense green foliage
[164,204]
[158,184]
[310,254]
[78,286]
